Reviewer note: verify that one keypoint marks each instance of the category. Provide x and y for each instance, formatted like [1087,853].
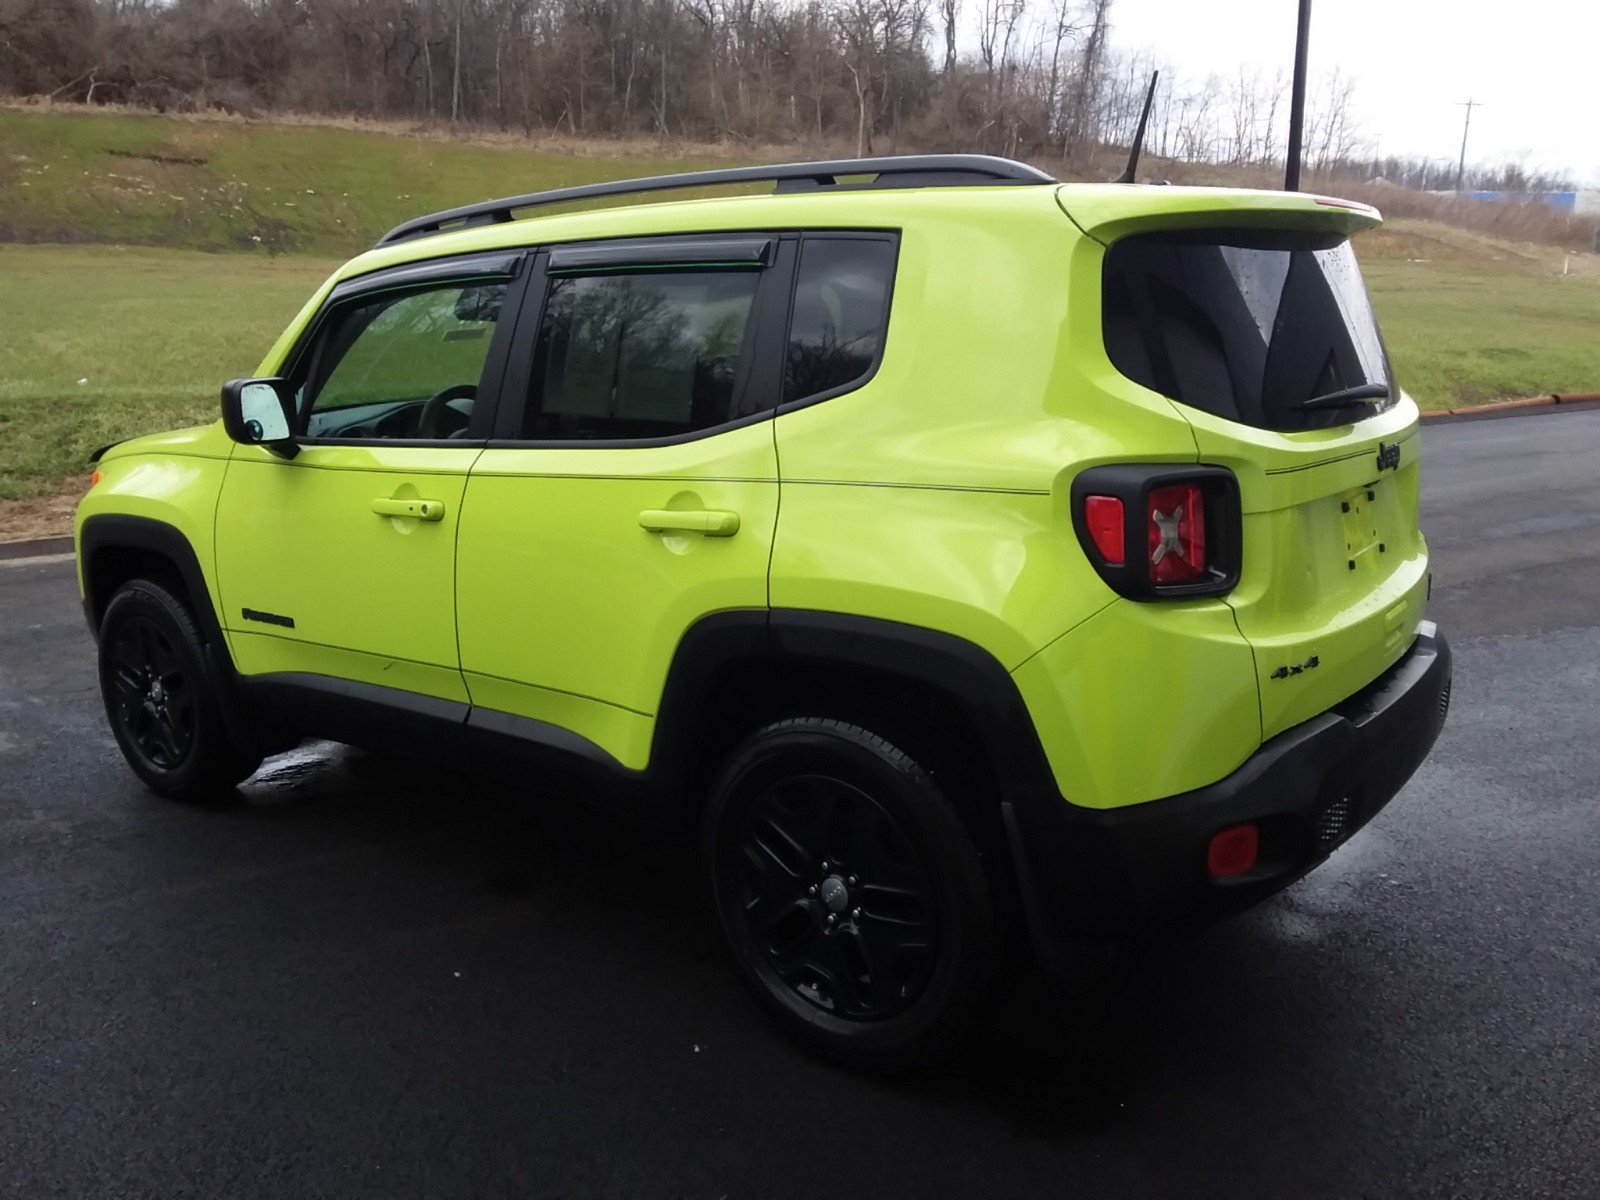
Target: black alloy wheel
[850,892]
[162,703]
[154,695]
[834,897]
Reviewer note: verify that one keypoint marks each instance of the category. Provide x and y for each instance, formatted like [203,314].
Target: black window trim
[861,235]
[758,378]
[502,265]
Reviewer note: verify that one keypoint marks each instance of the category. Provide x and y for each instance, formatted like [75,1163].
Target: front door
[340,561]
[635,490]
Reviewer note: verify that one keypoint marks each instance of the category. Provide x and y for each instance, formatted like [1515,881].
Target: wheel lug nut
[825,865]
[832,918]
[812,890]
[852,881]
[855,914]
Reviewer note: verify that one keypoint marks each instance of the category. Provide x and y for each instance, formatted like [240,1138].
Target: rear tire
[161,700]
[850,893]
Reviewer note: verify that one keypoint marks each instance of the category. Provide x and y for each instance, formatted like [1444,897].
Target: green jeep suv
[975,564]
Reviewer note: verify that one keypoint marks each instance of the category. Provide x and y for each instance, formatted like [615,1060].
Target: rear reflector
[1177,526]
[1103,515]
[1233,851]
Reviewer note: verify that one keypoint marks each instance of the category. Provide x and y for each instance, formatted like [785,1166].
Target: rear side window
[1268,329]
[841,306]
[641,354]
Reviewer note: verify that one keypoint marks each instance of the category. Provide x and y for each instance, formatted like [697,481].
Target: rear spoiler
[1107,211]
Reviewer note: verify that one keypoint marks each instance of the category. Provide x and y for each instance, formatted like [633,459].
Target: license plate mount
[1358,520]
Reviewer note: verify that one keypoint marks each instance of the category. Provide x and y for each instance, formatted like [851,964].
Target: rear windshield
[1266,328]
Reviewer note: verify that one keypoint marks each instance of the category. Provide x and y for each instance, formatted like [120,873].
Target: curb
[36,547]
[1574,401]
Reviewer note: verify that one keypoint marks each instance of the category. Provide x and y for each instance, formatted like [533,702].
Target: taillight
[1103,515]
[1155,531]
[1177,533]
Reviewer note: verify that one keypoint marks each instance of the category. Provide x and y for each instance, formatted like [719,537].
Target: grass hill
[224,184]
[197,239]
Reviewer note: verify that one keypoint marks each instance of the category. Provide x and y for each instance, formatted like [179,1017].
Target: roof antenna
[1297,100]
[1138,137]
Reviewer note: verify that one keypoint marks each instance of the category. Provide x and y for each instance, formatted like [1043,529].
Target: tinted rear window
[641,355]
[841,303]
[1246,324]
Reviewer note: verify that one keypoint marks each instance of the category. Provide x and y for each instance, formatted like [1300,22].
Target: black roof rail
[911,170]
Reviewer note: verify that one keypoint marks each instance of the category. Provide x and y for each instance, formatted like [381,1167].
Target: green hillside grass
[1470,318]
[151,335]
[152,326]
[254,186]
[1462,335]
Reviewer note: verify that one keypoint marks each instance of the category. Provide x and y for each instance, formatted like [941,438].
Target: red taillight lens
[1103,516]
[1176,516]
[1233,851]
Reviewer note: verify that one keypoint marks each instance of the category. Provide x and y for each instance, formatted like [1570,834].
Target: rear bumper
[1140,872]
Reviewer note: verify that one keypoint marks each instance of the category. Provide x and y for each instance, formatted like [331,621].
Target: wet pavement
[370,979]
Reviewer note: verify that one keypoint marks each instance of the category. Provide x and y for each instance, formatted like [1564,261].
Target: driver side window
[402,364]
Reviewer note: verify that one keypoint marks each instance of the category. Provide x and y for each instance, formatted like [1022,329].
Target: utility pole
[1297,99]
[1461,165]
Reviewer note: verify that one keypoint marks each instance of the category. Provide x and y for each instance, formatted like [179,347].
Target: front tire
[161,700]
[850,893]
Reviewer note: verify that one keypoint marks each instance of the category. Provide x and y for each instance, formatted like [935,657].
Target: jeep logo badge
[1388,456]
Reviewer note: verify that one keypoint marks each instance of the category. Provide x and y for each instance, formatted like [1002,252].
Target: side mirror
[260,412]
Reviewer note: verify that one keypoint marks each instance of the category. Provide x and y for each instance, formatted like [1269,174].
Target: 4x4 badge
[1285,672]
[1388,456]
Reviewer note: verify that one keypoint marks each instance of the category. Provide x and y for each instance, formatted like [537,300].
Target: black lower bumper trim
[1140,872]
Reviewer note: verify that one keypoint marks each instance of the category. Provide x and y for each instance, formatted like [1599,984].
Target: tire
[813,818]
[161,700]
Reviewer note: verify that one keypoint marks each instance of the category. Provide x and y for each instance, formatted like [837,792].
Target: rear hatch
[1248,311]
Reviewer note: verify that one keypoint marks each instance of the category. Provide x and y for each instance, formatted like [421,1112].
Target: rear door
[632,487]
[1267,342]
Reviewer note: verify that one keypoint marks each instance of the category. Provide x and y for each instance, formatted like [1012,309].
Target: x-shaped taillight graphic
[1167,526]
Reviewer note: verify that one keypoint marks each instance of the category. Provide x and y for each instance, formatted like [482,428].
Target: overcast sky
[1534,64]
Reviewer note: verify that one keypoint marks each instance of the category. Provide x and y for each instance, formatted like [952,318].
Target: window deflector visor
[750,254]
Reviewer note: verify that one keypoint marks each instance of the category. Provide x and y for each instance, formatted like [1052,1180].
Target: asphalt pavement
[370,980]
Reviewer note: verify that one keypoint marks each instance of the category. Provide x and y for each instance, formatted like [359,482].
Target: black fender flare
[110,532]
[117,531]
[969,678]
